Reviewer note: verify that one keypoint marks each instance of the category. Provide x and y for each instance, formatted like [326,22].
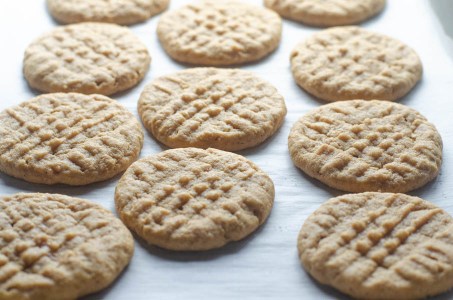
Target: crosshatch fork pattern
[362,146]
[219,32]
[379,244]
[68,138]
[86,58]
[207,107]
[58,247]
[326,12]
[346,63]
[194,199]
[122,12]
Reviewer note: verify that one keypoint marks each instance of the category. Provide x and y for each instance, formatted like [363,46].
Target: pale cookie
[193,199]
[346,63]
[125,12]
[379,246]
[71,138]
[55,247]
[326,12]
[219,32]
[227,109]
[360,146]
[89,58]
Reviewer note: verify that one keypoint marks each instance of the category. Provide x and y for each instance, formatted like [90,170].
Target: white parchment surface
[265,265]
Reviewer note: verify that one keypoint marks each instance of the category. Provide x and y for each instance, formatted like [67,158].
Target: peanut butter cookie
[193,199]
[70,138]
[360,146]
[347,63]
[227,109]
[124,12]
[88,58]
[326,12]
[219,32]
[379,246]
[55,247]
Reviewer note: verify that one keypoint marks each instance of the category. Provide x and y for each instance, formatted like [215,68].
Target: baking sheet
[265,265]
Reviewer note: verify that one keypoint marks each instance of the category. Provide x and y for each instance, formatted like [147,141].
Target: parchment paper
[265,265]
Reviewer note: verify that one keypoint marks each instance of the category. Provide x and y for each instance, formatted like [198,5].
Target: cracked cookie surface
[70,138]
[360,146]
[326,12]
[379,246]
[347,63]
[227,109]
[193,199]
[124,12]
[89,58]
[55,247]
[219,32]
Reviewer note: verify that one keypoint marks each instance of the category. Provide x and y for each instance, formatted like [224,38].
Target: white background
[265,265]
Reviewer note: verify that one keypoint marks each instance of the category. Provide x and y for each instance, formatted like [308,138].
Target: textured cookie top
[227,109]
[326,12]
[379,246]
[360,146]
[58,247]
[219,32]
[86,58]
[68,138]
[346,63]
[194,199]
[123,12]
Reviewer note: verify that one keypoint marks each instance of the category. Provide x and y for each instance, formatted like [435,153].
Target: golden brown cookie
[55,247]
[360,146]
[346,63]
[327,12]
[227,109]
[193,199]
[89,58]
[70,138]
[219,32]
[124,12]
[379,246]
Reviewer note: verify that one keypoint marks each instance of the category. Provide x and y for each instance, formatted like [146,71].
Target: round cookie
[327,12]
[346,63]
[360,146]
[89,58]
[55,247]
[219,32]
[193,199]
[124,12]
[379,246]
[227,109]
[70,138]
